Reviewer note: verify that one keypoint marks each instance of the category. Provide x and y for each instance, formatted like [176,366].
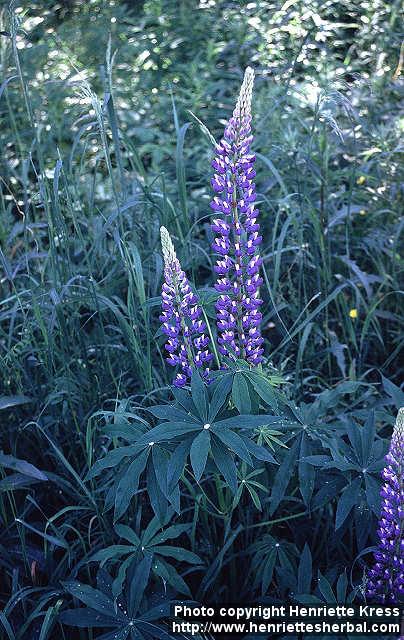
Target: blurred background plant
[108,114]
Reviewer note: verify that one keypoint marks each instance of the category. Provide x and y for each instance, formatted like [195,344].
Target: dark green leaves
[304,574]
[265,390]
[95,600]
[199,395]
[347,501]
[283,476]
[125,614]
[150,544]
[225,463]
[240,394]
[220,396]
[129,484]
[199,452]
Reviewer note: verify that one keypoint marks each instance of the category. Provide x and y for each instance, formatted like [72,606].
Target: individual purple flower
[187,344]
[237,237]
[386,578]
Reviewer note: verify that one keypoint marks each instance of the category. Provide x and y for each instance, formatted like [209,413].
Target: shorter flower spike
[386,578]
[187,344]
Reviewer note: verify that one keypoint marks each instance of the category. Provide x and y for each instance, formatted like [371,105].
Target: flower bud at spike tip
[187,344]
[243,106]
[386,579]
[167,246]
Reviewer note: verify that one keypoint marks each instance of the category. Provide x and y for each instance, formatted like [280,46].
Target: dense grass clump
[110,113]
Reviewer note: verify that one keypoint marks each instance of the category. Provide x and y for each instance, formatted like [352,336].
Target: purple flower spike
[237,236]
[386,578]
[187,344]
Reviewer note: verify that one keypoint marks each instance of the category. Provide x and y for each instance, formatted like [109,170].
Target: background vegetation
[108,113]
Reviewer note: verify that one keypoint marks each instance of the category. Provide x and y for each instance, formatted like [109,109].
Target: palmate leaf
[327,593]
[157,499]
[225,463]
[133,610]
[248,422]
[113,458]
[168,430]
[248,483]
[373,493]
[197,443]
[271,555]
[129,484]
[161,458]
[162,452]
[306,471]
[304,574]
[184,400]
[283,476]
[124,618]
[150,544]
[395,393]
[141,579]
[169,574]
[348,499]
[199,395]
[268,571]
[240,394]
[114,551]
[220,396]
[265,390]
[179,554]
[177,462]
[234,442]
[121,634]
[95,600]
[87,617]
[158,537]
[170,413]
[199,453]
[259,452]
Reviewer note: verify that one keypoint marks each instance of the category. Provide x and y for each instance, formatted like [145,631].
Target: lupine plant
[237,240]
[386,578]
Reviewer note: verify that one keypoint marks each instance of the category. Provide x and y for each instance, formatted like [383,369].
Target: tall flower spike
[237,237]
[187,344]
[386,578]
